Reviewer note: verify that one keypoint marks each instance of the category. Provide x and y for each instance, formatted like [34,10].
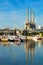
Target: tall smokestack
[32,20]
[30,15]
[27,19]
[27,15]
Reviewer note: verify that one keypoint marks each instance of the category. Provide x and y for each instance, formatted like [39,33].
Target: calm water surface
[27,53]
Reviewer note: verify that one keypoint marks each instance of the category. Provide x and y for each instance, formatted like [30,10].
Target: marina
[22,47]
[21,32]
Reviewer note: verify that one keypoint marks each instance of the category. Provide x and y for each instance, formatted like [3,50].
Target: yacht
[37,37]
[4,39]
[13,38]
[23,38]
[17,39]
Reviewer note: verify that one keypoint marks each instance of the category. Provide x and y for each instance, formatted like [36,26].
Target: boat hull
[4,40]
[10,40]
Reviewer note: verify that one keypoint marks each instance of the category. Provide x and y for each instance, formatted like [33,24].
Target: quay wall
[30,37]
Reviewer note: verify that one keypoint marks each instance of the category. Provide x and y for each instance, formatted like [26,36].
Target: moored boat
[37,37]
[17,39]
[13,38]
[4,39]
[23,38]
[40,37]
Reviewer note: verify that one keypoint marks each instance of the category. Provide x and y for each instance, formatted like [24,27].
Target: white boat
[37,37]
[13,38]
[22,37]
[17,39]
[40,36]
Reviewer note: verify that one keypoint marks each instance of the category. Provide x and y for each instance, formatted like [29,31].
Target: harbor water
[24,53]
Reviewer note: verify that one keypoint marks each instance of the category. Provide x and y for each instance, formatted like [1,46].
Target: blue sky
[13,12]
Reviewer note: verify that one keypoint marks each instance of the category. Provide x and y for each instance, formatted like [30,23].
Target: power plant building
[29,25]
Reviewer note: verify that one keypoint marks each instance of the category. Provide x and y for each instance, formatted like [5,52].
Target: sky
[13,12]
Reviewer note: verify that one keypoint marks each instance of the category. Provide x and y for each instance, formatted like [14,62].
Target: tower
[32,19]
[27,15]
[27,19]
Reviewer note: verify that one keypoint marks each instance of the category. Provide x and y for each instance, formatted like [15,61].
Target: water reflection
[5,43]
[40,43]
[30,51]
[25,53]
